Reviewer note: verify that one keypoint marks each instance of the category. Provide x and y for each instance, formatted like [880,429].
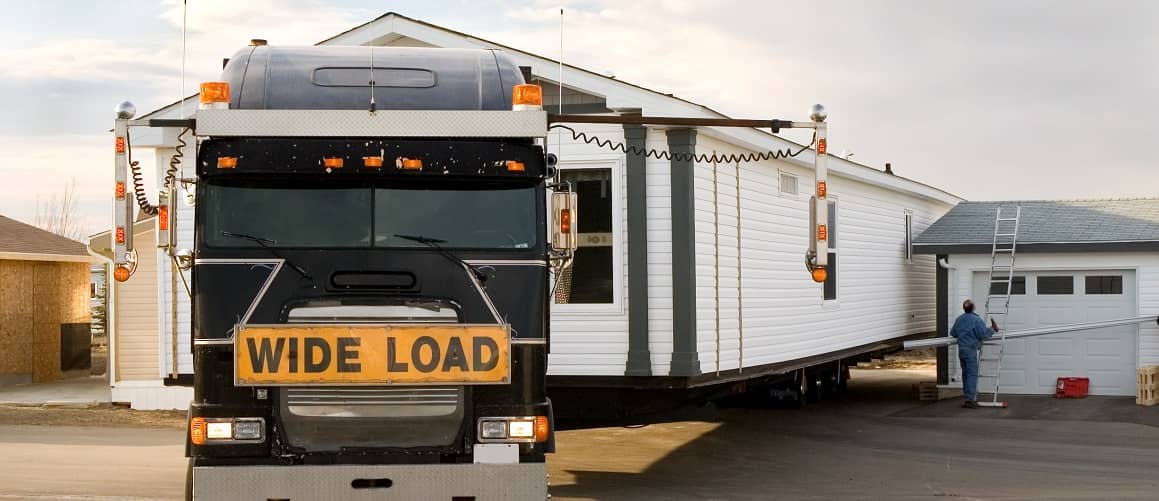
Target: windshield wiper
[434,244]
[266,243]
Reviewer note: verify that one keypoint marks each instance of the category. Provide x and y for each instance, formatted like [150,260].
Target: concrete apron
[80,392]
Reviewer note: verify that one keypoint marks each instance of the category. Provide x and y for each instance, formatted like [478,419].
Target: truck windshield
[487,217]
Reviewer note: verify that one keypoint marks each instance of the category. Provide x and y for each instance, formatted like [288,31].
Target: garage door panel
[1013,378]
[1105,348]
[1100,313]
[1047,378]
[1056,315]
[1106,356]
[1056,347]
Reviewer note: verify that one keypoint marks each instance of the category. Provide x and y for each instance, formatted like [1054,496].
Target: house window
[788,184]
[1055,285]
[909,236]
[831,277]
[1104,284]
[1017,287]
[590,279]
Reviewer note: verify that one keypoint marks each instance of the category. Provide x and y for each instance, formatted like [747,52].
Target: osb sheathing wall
[36,297]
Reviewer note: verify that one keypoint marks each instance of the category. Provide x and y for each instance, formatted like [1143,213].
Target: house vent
[788,184]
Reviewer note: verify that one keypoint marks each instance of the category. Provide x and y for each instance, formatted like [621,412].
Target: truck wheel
[189,481]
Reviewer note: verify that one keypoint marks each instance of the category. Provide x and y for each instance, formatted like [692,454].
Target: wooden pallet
[927,391]
[1147,387]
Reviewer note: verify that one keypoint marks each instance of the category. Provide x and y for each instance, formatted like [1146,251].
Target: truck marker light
[120,190]
[527,97]
[822,145]
[120,145]
[822,232]
[120,234]
[218,430]
[372,162]
[405,163]
[541,429]
[121,273]
[513,166]
[226,162]
[197,431]
[521,429]
[820,275]
[333,162]
[163,217]
[214,96]
[565,221]
[822,189]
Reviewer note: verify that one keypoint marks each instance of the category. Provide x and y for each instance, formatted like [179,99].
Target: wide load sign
[287,354]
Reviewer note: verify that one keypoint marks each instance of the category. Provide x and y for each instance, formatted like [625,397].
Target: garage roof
[24,242]
[1048,226]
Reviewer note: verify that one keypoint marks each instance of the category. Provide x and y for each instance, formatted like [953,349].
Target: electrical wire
[697,157]
[170,173]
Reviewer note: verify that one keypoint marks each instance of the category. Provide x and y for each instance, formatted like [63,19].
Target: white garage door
[1106,356]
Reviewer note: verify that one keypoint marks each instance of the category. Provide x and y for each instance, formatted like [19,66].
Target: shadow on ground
[877,443]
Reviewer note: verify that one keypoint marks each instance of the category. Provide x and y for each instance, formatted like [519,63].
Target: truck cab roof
[397,78]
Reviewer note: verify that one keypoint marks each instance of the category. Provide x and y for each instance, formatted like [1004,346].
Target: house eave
[1044,247]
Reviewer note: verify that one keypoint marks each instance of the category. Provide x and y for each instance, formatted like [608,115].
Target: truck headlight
[493,430]
[514,429]
[204,431]
[247,430]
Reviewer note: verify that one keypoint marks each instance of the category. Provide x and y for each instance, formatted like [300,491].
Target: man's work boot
[970,404]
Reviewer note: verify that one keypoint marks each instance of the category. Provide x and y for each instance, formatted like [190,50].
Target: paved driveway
[876,444]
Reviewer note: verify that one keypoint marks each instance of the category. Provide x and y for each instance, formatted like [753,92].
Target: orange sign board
[326,354]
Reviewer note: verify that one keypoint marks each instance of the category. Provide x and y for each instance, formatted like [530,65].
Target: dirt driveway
[878,443]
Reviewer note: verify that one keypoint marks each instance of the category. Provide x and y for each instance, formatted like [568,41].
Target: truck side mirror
[564,222]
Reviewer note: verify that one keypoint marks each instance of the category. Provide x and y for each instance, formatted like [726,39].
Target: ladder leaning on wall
[998,299]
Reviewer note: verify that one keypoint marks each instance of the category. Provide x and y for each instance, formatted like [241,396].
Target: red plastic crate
[1072,387]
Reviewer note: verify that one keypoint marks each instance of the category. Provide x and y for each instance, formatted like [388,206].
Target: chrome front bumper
[476,482]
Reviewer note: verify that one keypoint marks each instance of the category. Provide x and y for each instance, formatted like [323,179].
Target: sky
[991,100]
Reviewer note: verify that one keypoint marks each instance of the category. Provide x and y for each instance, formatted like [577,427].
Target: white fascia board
[759,141]
[31,256]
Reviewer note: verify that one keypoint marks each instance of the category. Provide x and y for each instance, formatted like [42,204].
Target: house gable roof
[1047,225]
[393,28]
[20,241]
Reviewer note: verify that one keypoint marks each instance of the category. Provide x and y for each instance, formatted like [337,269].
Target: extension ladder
[998,299]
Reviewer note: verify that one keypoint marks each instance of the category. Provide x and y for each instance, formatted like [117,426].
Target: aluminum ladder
[1001,283]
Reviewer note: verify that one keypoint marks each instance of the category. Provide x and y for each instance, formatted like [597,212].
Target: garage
[1075,262]
[1060,297]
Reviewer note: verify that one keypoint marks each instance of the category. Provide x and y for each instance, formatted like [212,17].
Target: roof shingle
[20,238]
[1050,221]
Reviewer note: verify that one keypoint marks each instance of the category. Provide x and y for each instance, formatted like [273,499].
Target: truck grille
[329,418]
[374,402]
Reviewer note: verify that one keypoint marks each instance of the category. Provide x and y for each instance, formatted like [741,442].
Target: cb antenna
[559,133]
[181,96]
[373,106]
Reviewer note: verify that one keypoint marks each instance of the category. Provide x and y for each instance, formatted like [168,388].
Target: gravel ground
[91,416]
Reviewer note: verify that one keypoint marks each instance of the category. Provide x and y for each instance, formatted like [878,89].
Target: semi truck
[378,237]
[373,237]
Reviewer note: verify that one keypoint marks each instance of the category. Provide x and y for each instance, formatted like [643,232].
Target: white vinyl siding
[136,316]
[592,339]
[784,315]
[184,229]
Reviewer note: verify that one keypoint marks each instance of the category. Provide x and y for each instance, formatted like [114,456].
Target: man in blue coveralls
[970,330]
